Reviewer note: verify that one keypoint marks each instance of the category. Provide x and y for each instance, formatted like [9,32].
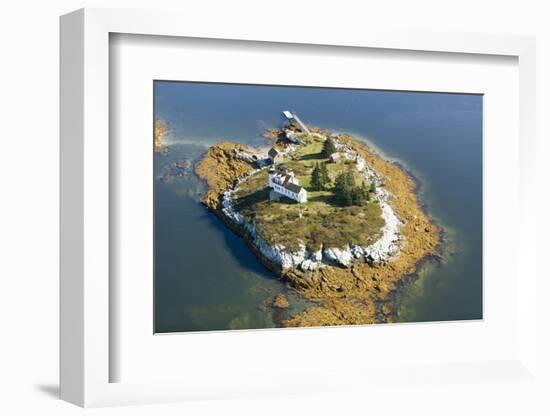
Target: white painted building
[274,154]
[293,137]
[284,183]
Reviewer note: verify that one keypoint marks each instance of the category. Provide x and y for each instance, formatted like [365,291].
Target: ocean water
[205,276]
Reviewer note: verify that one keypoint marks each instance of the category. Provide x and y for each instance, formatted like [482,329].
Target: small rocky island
[160,130]
[325,213]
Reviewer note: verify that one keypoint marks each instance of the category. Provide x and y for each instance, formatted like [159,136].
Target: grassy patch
[315,223]
[304,159]
[252,184]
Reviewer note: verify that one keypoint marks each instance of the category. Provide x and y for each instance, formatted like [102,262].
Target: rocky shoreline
[160,130]
[386,247]
[352,284]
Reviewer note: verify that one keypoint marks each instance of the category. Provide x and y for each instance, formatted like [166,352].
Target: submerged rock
[280,301]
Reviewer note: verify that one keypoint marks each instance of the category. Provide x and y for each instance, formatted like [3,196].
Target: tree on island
[346,191]
[328,147]
[316,178]
[320,178]
[325,178]
[361,194]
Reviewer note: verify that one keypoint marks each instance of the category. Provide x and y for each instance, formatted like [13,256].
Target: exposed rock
[272,134]
[309,265]
[393,250]
[357,251]
[386,309]
[260,160]
[387,245]
[220,169]
[338,256]
[246,156]
[183,164]
[360,163]
[317,255]
[160,130]
[335,312]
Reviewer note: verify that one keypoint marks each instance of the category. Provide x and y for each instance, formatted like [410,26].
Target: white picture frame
[85,220]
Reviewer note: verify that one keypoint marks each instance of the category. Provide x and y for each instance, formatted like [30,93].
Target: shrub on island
[328,147]
[347,192]
[320,179]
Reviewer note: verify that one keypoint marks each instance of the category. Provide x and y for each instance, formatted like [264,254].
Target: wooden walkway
[294,117]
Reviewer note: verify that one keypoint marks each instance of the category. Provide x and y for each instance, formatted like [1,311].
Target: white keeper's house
[285,183]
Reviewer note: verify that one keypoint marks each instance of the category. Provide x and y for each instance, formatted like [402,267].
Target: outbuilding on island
[274,154]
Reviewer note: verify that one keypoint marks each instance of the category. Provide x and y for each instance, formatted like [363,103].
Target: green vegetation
[323,220]
[320,179]
[347,192]
[313,224]
[303,162]
[328,147]
[252,184]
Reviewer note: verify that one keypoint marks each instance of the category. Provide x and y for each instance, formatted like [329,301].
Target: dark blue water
[205,277]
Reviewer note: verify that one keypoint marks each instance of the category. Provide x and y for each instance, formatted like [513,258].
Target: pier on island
[296,119]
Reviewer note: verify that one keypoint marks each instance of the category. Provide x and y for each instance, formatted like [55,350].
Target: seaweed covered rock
[221,168]
[280,301]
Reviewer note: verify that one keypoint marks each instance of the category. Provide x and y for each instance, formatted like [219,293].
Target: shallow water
[205,276]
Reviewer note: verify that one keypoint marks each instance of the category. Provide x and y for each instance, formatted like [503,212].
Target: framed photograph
[313,224]
[301,197]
